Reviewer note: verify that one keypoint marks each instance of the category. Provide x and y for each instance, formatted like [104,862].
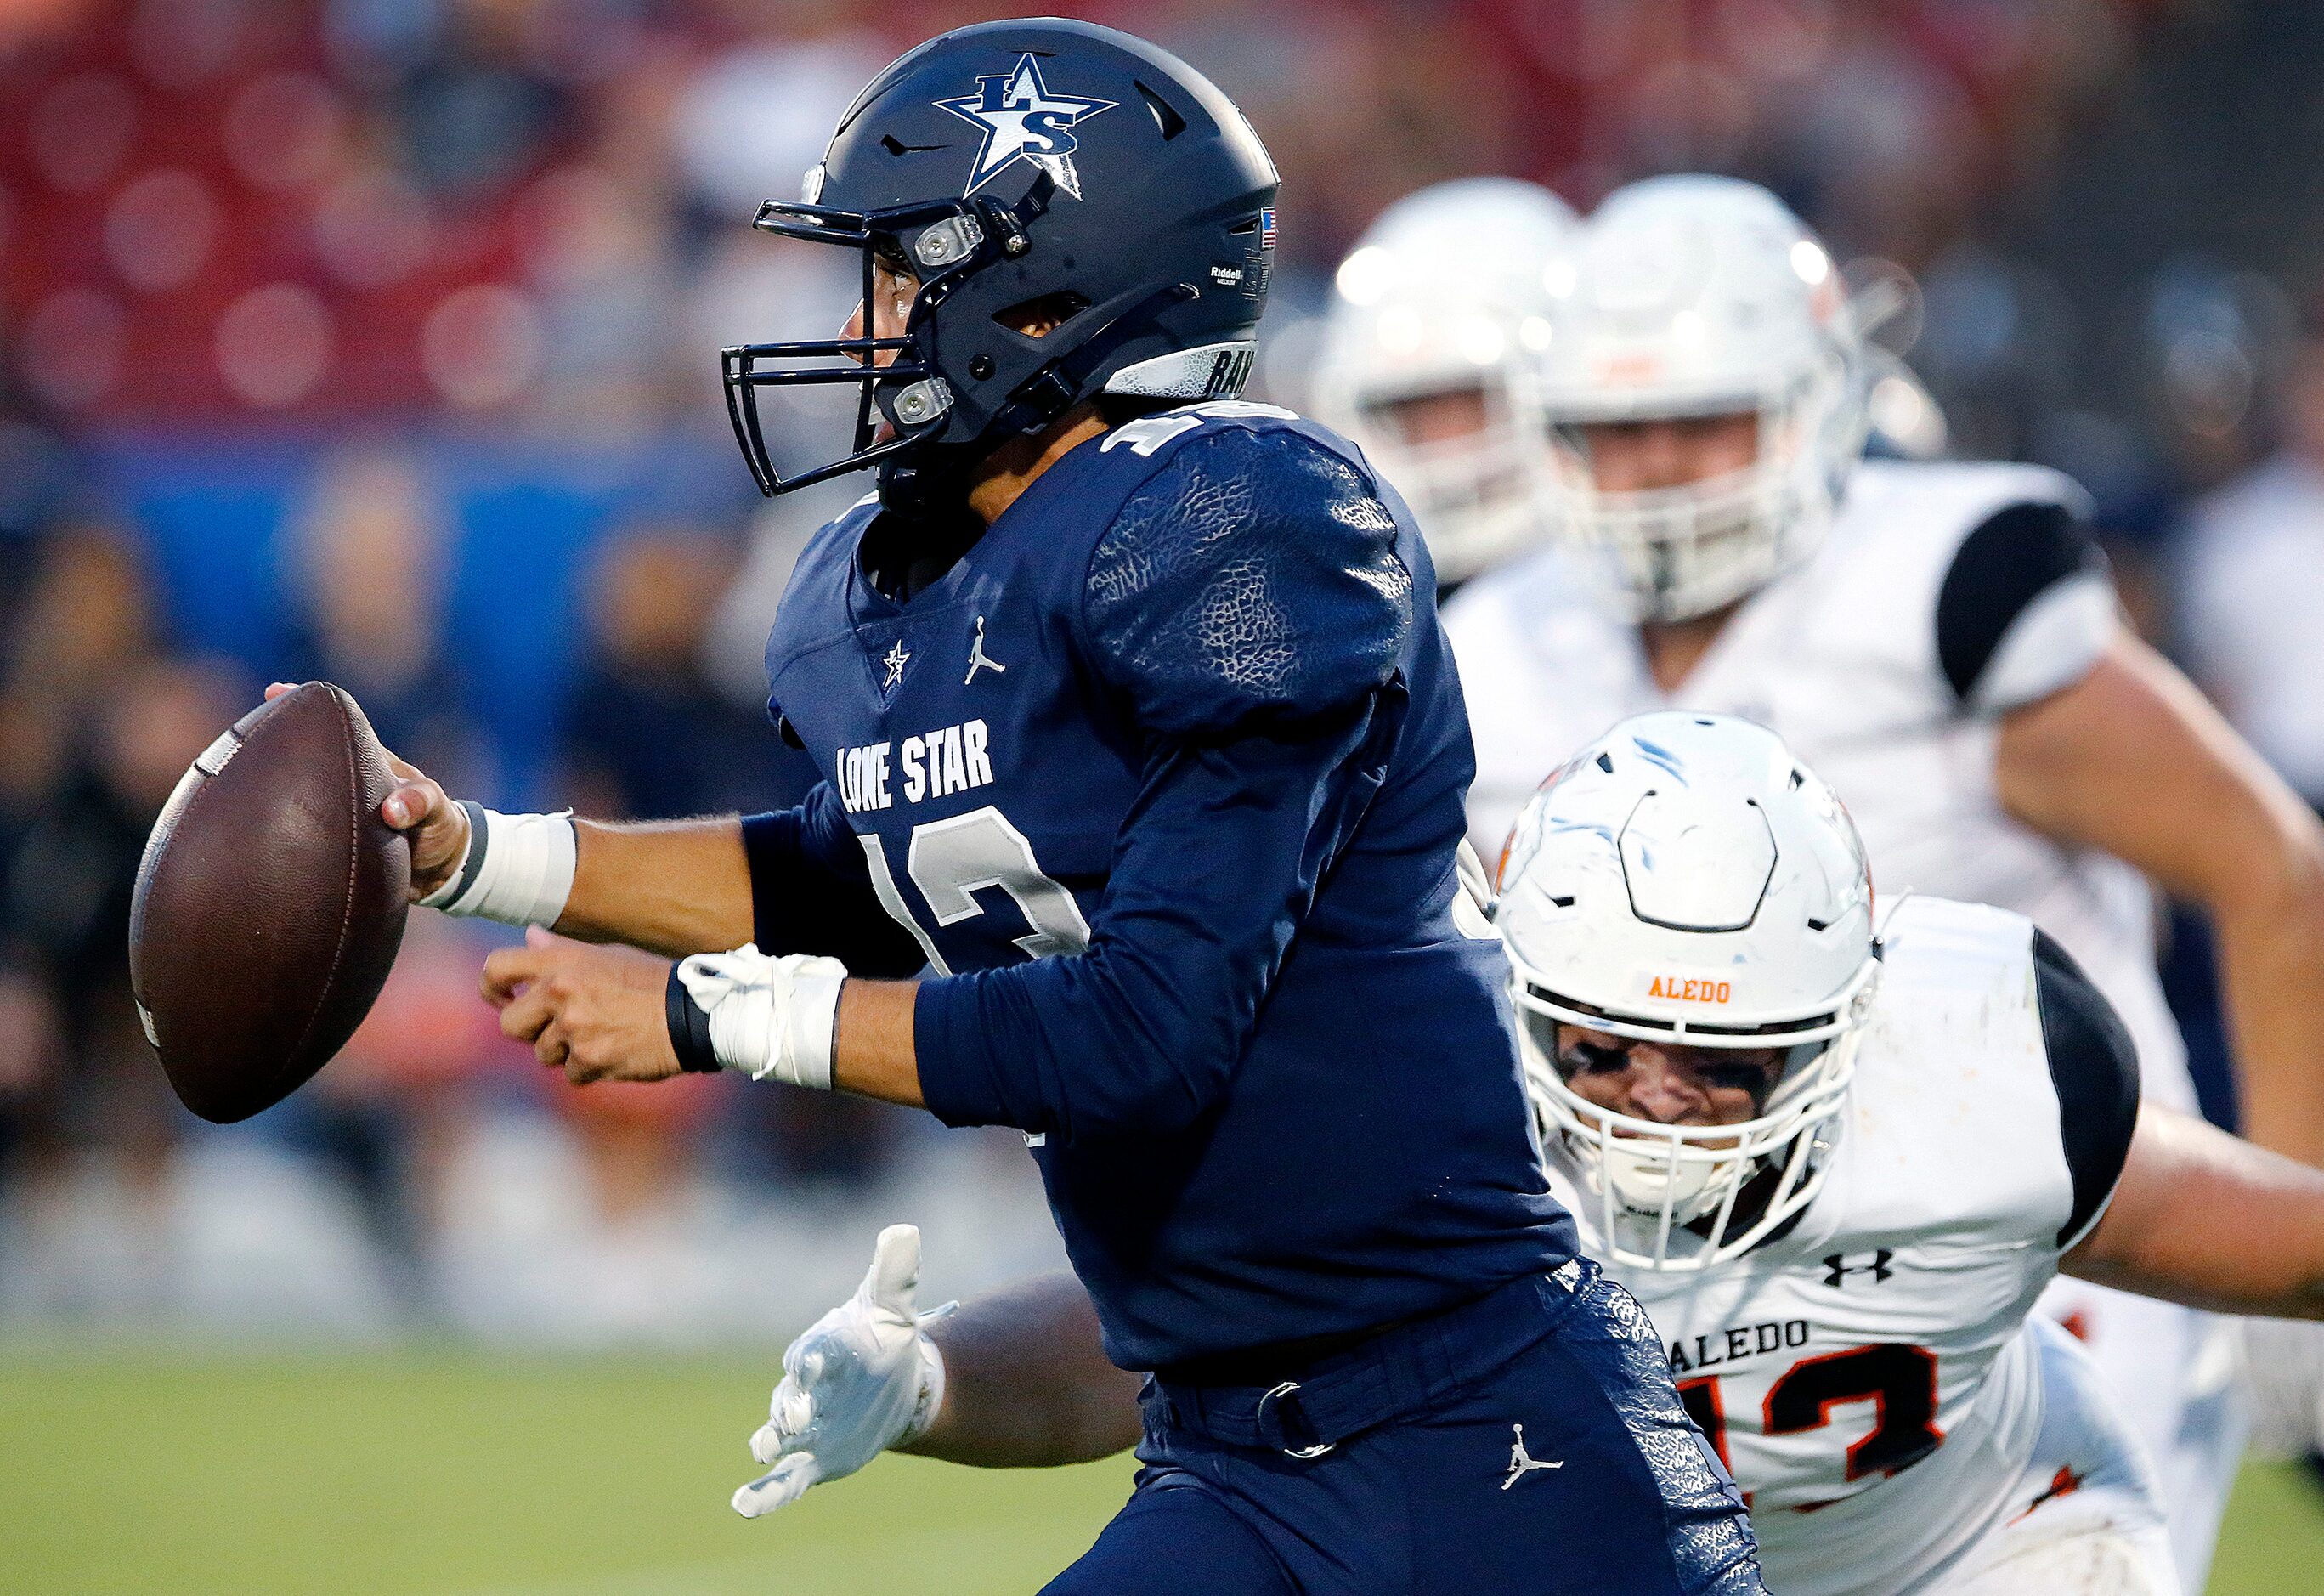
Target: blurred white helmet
[1695,296]
[1439,298]
[1685,881]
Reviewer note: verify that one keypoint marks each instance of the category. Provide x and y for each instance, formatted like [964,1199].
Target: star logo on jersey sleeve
[1021,120]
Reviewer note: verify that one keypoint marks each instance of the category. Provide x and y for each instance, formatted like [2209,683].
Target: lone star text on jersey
[937,764]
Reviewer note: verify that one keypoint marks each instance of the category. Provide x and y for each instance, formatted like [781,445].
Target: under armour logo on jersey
[978,660]
[1021,120]
[1520,1465]
[893,662]
[1837,1268]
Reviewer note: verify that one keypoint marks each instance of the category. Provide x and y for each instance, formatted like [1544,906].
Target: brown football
[269,905]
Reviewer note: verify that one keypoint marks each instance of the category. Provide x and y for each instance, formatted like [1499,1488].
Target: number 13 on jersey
[951,860]
[1899,1381]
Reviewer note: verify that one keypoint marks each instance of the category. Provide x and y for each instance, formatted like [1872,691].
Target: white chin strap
[1645,1183]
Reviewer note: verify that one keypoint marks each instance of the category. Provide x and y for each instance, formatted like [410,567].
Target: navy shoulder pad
[1254,574]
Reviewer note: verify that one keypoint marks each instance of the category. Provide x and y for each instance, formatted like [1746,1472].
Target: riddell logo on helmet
[1689,988]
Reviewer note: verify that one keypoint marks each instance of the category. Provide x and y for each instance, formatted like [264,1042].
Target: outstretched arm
[2133,761]
[1027,1384]
[1017,1380]
[2202,1218]
[669,886]
[674,887]
[1247,610]
[1141,1029]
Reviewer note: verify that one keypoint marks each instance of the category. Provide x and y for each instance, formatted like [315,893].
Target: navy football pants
[1622,1497]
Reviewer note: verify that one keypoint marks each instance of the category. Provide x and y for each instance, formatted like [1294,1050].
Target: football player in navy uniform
[1144,765]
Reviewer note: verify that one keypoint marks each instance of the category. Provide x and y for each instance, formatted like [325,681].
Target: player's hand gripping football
[417,806]
[864,1378]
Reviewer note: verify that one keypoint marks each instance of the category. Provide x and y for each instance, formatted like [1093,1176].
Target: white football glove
[1472,904]
[864,1378]
[771,1017]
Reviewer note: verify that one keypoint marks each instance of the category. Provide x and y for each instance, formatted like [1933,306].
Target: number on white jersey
[1899,1381]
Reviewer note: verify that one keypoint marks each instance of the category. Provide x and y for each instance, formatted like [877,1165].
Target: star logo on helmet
[1021,120]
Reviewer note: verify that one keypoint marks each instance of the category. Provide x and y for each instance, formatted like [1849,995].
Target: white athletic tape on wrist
[932,1382]
[771,1017]
[518,869]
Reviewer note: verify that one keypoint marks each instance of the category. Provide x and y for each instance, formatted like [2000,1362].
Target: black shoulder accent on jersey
[2007,561]
[2094,1066]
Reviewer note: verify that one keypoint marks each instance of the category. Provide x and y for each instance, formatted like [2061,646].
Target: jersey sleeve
[2025,606]
[811,890]
[2094,1067]
[1253,576]
[1217,866]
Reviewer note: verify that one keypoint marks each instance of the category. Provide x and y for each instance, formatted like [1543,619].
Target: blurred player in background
[1143,769]
[1837,1165]
[1940,640]
[1421,361]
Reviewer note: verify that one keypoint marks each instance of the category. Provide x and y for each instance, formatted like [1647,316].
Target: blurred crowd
[374,340]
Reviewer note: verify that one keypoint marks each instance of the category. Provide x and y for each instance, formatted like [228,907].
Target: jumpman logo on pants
[1520,1465]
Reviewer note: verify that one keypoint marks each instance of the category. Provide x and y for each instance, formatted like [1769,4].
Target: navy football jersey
[1158,788]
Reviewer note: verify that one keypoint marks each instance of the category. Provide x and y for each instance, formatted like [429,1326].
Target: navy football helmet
[1028,166]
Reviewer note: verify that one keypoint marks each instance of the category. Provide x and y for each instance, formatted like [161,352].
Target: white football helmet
[1685,881]
[1700,296]
[1439,298]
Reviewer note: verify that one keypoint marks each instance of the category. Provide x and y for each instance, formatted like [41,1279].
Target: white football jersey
[1870,1377]
[1841,656]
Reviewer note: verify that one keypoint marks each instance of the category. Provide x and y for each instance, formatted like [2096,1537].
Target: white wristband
[932,1382]
[518,869]
[771,1017]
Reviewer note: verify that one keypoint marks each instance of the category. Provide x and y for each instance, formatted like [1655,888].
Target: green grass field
[410,1472]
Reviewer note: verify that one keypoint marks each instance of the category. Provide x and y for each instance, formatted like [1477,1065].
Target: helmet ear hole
[1039,317]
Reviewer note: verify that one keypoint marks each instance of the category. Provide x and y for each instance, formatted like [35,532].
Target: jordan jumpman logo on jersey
[1520,1464]
[978,660]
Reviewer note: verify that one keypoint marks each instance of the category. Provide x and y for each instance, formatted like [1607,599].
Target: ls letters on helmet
[1021,120]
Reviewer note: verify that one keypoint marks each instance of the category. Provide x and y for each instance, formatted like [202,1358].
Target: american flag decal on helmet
[1267,227]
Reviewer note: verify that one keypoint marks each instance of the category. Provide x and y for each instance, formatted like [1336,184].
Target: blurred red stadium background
[375,339]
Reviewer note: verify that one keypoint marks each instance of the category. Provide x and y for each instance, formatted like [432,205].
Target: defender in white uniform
[1844,1276]
[1940,640]
[1419,365]
[1837,1173]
